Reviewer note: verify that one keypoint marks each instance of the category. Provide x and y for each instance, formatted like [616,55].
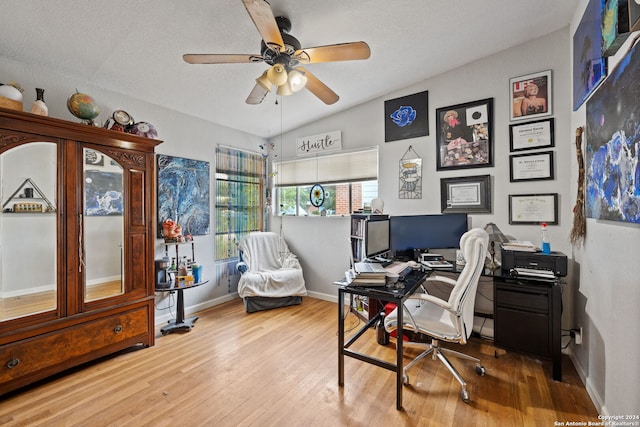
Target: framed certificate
[531,166]
[531,135]
[533,208]
[469,194]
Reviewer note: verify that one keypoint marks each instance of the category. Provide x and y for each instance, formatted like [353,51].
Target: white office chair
[451,320]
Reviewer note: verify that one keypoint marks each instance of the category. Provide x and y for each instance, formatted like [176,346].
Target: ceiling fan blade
[336,52]
[257,95]
[265,22]
[318,88]
[204,58]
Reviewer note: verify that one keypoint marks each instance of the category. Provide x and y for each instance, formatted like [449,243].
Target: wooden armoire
[76,245]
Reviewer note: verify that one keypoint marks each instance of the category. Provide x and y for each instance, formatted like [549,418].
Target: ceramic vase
[39,107]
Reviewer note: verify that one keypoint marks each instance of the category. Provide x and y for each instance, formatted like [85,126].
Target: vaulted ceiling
[136,48]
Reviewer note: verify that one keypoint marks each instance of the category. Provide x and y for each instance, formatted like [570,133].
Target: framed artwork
[615,26]
[469,194]
[589,66]
[531,166]
[183,194]
[465,135]
[410,178]
[531,95]
[533,208]
[531,135]
[406,117]
[612,158]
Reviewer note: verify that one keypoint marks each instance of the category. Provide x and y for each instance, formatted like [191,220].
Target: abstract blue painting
[613,144]
[589,67]
[183,194]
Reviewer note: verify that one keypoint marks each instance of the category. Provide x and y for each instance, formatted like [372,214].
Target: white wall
[607,299]
[363,126]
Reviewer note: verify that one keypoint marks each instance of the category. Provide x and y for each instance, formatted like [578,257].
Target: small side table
[180,323]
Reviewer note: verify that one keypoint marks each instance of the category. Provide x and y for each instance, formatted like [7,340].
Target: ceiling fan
[284,54]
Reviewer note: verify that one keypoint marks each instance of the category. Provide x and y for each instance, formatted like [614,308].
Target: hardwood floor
[280,367]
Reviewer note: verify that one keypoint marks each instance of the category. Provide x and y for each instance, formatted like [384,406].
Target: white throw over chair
[451,320]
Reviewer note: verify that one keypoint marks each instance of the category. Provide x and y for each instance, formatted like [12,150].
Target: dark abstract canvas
[589,67]
[406,117]
[183,194]
[613,142]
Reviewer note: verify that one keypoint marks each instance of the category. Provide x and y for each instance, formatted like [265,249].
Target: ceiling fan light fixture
[277,74]
[297,80]
[284,89]
[264,81]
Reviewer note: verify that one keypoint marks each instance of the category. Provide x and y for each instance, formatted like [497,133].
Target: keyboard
[369,267]
[533,272]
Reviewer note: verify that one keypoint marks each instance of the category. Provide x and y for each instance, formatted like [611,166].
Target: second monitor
[377,238]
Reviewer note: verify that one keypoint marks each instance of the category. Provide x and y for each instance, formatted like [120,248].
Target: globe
[83,106]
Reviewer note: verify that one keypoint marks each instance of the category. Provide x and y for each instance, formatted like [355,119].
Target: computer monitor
[376,237]
[426,232]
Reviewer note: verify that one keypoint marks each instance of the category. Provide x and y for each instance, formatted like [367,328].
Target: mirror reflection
[28,230]
[103,226]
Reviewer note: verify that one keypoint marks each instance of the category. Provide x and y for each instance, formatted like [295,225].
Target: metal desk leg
[340,338]
[399,356]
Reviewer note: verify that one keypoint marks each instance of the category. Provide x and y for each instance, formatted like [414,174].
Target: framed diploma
[531,135]
[469,194]
[531,166]
[533,208]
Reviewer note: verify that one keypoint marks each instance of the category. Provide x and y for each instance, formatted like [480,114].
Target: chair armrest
[291,261]
[433,300]
[443,279]
[242,267]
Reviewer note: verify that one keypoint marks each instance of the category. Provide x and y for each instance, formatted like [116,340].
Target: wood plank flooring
[280,368]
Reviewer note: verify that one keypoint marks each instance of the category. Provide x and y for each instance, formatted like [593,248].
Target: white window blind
[344,167]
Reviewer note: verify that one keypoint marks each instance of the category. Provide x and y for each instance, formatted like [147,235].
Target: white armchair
[447,320]
[271,276]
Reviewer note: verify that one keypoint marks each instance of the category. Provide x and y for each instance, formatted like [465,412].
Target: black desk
[396,296]
[180,323]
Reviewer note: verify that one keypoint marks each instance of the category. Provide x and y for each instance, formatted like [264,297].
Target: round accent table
[180,323]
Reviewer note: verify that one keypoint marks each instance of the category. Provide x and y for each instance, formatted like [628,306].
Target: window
[350,182]
[240,178]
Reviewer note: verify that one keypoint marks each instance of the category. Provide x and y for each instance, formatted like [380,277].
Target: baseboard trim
[591,391]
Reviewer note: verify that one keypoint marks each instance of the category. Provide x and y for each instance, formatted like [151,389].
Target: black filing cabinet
[527,316]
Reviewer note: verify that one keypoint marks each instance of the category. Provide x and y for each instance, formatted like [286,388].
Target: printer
[555,262]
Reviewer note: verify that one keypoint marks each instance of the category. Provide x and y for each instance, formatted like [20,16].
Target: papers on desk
[519,245]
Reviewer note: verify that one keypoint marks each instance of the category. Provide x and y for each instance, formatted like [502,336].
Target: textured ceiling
[136,47]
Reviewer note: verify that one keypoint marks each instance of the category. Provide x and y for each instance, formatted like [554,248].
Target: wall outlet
[579,336]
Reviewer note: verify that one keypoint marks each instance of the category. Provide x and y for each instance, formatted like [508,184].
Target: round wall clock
[316,195]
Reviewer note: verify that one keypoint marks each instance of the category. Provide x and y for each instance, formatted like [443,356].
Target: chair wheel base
[464,395]
[480,370]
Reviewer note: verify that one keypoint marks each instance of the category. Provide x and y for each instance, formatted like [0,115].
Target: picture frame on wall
[634,15]
[589,65]
[469,194]
[531,135]
[406,117]
[531,166]
[615,26]
[528,209]
[531,95]
[465,135]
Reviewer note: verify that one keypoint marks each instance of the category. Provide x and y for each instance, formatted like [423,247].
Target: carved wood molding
[11,139]
[125,157]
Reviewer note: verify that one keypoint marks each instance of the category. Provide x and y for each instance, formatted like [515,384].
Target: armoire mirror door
[28,230]
[102,226]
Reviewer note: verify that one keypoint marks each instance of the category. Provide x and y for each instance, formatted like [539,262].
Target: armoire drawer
[52,351]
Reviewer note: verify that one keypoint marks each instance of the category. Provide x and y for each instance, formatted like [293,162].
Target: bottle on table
[546,245]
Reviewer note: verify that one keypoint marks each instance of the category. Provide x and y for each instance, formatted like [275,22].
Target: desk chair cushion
[271,270]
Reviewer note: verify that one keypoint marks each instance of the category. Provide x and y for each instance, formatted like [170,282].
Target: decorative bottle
[546,245]
[39,107]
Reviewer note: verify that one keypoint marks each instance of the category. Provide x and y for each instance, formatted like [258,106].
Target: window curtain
[240,178]
[337,168]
